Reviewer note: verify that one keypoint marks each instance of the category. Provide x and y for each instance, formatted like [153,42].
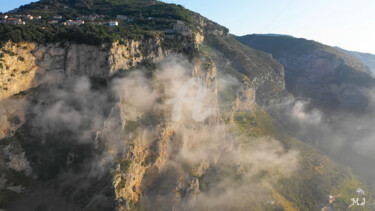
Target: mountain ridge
[314,70]
[366,58]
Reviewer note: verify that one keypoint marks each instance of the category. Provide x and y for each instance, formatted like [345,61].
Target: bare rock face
[17,68]
[26,65]
[17,160]
[12,116]
[154,155]
[125,56]
[70,60]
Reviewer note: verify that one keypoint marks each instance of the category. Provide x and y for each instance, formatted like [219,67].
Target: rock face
[332,79]
[150,142]
[12,116]
[27,65]
[17,68]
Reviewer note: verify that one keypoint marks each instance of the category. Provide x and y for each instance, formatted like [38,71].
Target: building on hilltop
[74,23]
[15,21]
[29,17]
[113,23]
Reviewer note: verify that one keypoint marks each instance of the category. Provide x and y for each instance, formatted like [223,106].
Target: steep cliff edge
[26,65]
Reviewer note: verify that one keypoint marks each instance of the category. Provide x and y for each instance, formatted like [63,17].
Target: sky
[349,24]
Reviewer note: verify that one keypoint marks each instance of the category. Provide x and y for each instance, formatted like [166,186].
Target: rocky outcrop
[17,160]
[12,115]
[27,65]
[17,68]
[149,150]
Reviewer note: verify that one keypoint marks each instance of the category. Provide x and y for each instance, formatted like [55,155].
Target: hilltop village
[58,19]
[180,27]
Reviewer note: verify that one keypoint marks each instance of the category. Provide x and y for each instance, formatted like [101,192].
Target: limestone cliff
[18,68]
[27,65]
[150,143]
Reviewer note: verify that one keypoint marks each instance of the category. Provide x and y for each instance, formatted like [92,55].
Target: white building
[29,17]
[15,21]
[58,17]
[74,23]
[38,17]
[4,17]
[113,23]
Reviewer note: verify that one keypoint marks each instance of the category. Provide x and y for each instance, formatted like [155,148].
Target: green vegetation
[7,51]
[245,64]
[306,60]
[124,164]
[131,126]
[317,177]
[121,184]
[347,74]
[148,17]
[109,8]
[85,34]
[177,46]
[150,159]
[279,44]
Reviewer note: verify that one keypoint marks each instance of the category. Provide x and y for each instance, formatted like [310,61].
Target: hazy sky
[349,24]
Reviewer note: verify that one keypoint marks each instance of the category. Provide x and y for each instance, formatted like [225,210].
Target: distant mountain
[367,58]
[331,78]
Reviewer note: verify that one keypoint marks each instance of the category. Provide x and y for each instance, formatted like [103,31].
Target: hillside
[367,58]
[331,78]
[90,117]
[139,18]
